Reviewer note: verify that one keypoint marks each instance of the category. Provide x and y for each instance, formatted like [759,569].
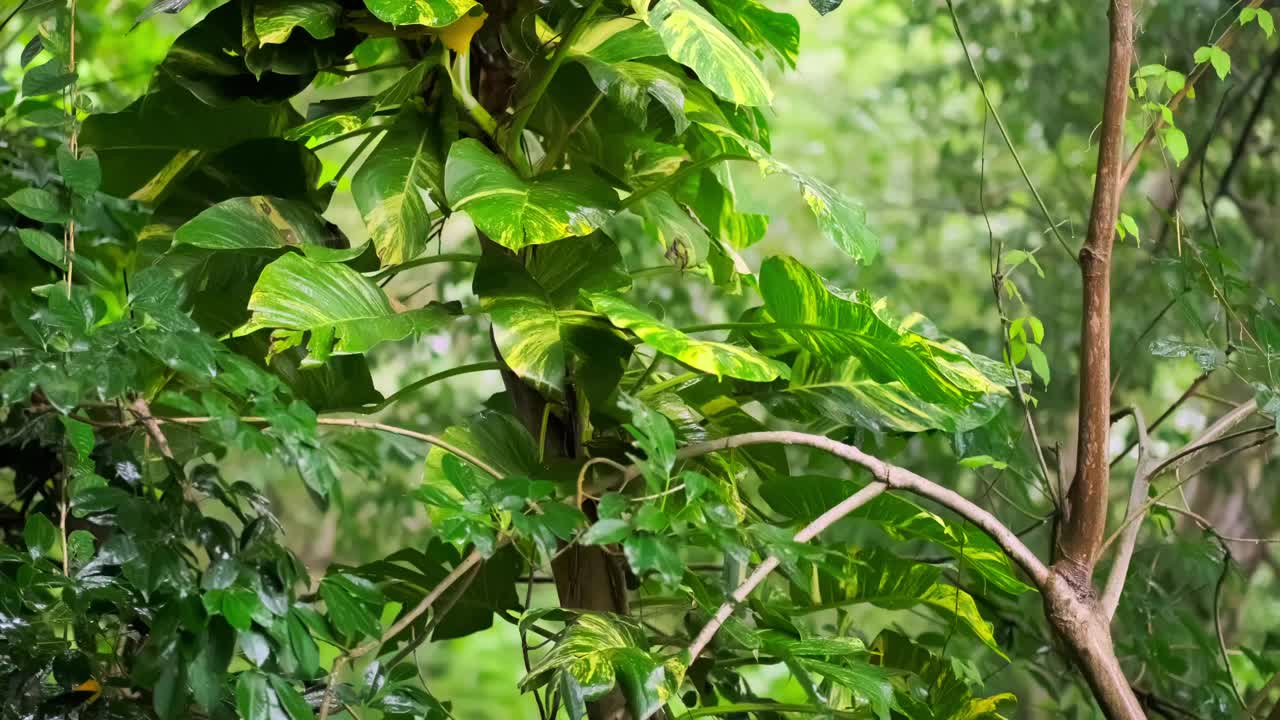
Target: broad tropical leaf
[275,20]
[695,38]
[717,358]
[834,328]
[432,13]
[761,28]
[263,223]
[343,311]
[807,497]
[356,117]
[670,225]
[515,212]
[391,188]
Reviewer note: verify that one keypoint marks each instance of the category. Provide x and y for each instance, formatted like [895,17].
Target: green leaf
[398,94]
[835,328]
[670,225]
[599,651]
[274,20]
[169,698]
[632,84]
[39,205]
[606,532]
[695,38]
[391,187]
[761,28]
[843,392]
[349,612]
[1176,143]
[867,681]
[343,311]
[717,358]
[1267,22]
[253,696]
[207,672]
[303,645]
[807,497]
[46,79]
[39,534]
[1215,56]
[290,699]
[495,438]
[517,213]
[524,303]
[1175,81]
[1039,362]
[83,173]
[262,223]
[432,13]
[646,551]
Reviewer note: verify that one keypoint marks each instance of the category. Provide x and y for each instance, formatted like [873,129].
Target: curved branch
[1129,538]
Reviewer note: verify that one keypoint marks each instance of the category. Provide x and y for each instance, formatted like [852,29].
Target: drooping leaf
[275,20]
[694,37]
[515,212]
[761,28]
[391,188]
[263,223]
[353,117]
[834,328]
[343,311]
[867,681]
[432,13]
[717,358]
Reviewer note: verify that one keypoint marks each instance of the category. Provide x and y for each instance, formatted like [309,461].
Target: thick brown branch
[1085,512]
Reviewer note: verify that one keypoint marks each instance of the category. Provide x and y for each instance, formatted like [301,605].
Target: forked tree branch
[1085,512]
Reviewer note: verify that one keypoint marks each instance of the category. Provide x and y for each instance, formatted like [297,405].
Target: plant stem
[431,260]
[735,708]
[428,380]
[530,103]
[676,177]
[346,136]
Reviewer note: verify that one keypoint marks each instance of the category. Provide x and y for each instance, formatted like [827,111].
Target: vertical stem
[1086,508]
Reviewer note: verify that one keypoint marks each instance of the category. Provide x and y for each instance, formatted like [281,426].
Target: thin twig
[1217,626]
[1129,538]
[1187,394]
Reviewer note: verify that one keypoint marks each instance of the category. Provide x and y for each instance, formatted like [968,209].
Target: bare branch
[1129,538]
[1085,512]
[142,411]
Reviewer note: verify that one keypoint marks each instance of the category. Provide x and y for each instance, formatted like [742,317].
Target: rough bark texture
[1085,512]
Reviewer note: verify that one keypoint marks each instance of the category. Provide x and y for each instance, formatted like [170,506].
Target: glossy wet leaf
[695,38]
[262,223]
[432,13]
[515,212]
[717,358]
[343,311]
[391,188]
[275,20]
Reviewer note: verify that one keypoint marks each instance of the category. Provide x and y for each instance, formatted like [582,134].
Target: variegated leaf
[694,37]
[432,13]
[515,212]
[343,311]
[716,358]
[274,20]
[391,188]
[262,223]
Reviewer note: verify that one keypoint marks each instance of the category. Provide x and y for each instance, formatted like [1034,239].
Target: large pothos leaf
[343,311]
[391,188]
[275,20]
[515,212]
[264,223]
[495,438]
[524,303]
[807,497]
[845,393]
[694,37]
[599,651]
[432,13]
[761,28]
[609,51]
[667,223]
[834,328]
[936,687]
[717,358]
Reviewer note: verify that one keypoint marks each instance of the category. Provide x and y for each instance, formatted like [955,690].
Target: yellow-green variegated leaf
[695,38]
[717,358]
[683,240]
[515,212]
[274,20]
[761,28]
[843,392]
[525,302]
[344,312]
[391,188]
[354,118]
[609,51]
[263,223]
[599,651]
[432,13]
[834,327]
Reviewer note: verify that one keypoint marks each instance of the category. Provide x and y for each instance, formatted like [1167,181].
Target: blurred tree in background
[368,359]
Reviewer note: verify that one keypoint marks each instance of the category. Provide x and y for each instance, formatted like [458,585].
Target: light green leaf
[515,212]
[695,38]
[344,311]
[1175,81]
[1267,22]
[524,303]
[432,13]
[631,84]
[717,358]
[262,223]
[391,187]
[761,28]
[844,393]
[274,20]
[835,328]
[1039,363]
[606,532]
[867,681]
[1176,143]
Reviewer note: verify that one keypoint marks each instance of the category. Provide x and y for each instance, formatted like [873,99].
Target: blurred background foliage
[883,105]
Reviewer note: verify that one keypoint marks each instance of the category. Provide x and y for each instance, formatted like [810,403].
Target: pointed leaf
[391,187]
[694,37]
[432,13]
[274,20]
